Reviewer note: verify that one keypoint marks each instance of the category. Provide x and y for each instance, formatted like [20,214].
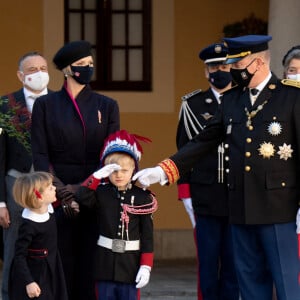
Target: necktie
[254,92]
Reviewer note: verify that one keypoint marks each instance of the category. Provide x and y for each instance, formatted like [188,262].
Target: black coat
[13,155]
[262,190]
[209,197]
[43,267]
[67,141]
[106,200]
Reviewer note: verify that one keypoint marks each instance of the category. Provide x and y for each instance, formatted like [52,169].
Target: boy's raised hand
[106,171]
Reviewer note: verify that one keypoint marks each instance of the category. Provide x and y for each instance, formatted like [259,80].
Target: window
[120,33]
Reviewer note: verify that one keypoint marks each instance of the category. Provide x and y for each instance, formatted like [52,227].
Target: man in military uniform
[262,129]
[203,190]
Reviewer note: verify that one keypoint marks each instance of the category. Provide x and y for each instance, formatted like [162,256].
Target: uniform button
[119,233]
[120,226]
[248,154]
[227,158]
[250,127]
[248,140]
[226,146]
[247,168]
[283,184]
[227,170]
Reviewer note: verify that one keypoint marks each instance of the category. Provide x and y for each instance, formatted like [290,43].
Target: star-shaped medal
[274,128]
[266,150]
[285,151]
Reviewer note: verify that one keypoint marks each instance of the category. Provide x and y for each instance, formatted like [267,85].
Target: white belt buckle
[118,246]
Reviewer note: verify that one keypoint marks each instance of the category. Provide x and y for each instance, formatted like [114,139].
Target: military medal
[275,128]
[285,151]
[253,113]
[206,116]
[266,150]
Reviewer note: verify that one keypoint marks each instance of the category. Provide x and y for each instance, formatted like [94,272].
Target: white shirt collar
[35,217]
[30,101]
[262,85]
[217,95]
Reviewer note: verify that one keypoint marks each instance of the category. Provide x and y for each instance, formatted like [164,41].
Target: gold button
[247,154]
[283,184]
[247,168]
[250,127]
[248,140]
[226,158]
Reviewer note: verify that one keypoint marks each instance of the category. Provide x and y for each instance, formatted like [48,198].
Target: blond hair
[115,157]
[27,188]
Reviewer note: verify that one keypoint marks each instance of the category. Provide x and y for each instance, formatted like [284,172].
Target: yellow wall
[180,30]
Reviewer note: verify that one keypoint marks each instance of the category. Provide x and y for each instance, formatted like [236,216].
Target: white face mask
[37,81]
[293,76]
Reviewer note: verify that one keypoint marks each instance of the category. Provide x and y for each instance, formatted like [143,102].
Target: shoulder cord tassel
[144,209]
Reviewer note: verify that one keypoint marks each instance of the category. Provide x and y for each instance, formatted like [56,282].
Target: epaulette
[291,82]
[189,95]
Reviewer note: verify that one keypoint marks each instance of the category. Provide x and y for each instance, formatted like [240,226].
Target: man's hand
[106,171]
[4,217]
[150,176]
[187,202]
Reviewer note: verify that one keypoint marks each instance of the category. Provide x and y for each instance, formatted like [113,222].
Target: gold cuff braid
[170,169]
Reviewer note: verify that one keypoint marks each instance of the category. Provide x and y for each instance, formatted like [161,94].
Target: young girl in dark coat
[124,251]
[36,270]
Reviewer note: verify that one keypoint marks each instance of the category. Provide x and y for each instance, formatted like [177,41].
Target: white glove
[106,171]
[143,276]
[151,175]
[187,202]
[298,221]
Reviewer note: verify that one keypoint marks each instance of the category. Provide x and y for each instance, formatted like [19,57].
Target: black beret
[70,53]
[215,53]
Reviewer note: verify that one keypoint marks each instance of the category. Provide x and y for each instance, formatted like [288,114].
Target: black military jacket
[209,196]
[263,173]
[107,201]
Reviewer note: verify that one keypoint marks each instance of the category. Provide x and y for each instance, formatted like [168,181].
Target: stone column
[284,23]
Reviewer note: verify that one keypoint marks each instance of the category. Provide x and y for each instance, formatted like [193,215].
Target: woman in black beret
[68,130]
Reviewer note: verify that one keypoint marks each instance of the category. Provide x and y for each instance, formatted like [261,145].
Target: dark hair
[292,53]
[26,55]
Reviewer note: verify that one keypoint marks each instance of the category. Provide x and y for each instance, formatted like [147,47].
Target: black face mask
[83,74]
[242,77]
[220,79]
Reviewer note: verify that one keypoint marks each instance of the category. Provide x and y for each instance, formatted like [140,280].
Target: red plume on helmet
[123,141]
